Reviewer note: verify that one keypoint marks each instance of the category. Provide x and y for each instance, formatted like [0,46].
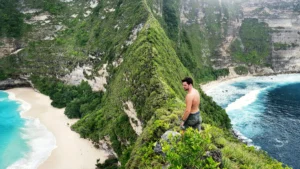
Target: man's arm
[188,101]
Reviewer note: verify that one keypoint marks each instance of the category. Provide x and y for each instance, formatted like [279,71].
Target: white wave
[41,143]
[244,101]
[245,139]
[40,140]
[280,143]
[224,89]
[236,96]
[24,106]
[11,96]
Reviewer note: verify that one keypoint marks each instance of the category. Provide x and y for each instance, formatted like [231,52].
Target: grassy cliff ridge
[153,85]
[156,53]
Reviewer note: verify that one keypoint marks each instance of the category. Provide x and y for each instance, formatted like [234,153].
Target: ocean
[24,142]
[265,111]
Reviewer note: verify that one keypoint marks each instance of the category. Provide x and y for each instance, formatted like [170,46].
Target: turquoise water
[12,146]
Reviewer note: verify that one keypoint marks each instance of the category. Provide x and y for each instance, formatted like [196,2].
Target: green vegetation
[54,7]
[78,100]
[2,75]
[255,44]
[157,53]
[284,46]
[109,164]
[213,24]
[236,155]
[6,70]
[171,18]
[194,44]
[11,20]
[212,113]
[156,93]
[189,152]
[241,70]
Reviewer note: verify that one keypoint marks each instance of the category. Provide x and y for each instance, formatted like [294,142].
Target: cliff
[118,66]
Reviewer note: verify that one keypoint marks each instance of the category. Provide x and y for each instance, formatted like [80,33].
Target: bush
[78,100]
[241,70]
[190,151]
[109,164]
[11,20]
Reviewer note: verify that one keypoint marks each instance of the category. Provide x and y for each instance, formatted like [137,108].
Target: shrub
[241,70]
[190,151]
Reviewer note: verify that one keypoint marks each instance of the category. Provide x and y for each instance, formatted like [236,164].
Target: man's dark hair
[188,80]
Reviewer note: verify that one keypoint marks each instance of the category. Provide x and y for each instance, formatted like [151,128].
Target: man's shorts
[194,121]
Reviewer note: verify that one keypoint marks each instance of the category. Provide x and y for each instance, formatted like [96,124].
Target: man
[191,116]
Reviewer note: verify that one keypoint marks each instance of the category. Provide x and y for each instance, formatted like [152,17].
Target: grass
[150,76]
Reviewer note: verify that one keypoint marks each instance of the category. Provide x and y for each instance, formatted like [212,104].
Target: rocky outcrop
[216,156]
[165,137]
[8,46]
[135,123]
[97,82]
[12,83]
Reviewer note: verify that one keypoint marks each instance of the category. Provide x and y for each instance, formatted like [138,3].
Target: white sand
[72,152]
[208,86]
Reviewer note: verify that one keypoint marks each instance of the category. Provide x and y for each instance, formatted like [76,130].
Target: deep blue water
[266,110]
[280,122]
[12,145]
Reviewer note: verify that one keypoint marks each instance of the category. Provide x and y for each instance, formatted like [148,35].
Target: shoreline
[212,84]
[232,78]
[217,86]
[71,151]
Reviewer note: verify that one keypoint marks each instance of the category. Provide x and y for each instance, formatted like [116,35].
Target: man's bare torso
[195,101]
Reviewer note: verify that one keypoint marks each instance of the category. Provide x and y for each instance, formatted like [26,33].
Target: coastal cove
[51,144]
[264,111]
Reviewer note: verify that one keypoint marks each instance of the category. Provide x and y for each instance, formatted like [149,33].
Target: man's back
[195,101]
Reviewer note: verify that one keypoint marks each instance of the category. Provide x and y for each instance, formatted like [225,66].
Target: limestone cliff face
[202,31]
[212,26]
[284,20]
[136,51]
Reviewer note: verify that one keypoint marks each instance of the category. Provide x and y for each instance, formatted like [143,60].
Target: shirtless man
[191,116]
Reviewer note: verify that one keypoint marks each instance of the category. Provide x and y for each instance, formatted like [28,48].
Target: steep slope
[138,51]
[197,28]
[277,52]
[152,85]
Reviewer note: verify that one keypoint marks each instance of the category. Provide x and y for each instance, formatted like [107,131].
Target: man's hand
[182,125]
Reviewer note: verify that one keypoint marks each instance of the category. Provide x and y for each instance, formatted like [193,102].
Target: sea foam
[243,104]
[38,138]
[243,101]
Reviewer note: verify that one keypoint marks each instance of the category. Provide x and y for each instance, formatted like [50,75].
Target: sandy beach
[210,85]
[72,152]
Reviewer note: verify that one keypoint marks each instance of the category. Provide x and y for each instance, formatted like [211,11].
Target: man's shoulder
[195,91]
[189,95]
